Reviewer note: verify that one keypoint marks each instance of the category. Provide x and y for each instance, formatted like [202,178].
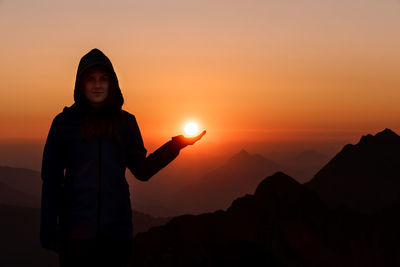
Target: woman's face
[96,85]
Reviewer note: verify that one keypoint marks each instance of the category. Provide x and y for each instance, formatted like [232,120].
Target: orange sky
[246,70]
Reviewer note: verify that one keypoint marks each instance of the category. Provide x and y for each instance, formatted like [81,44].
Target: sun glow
[191,128]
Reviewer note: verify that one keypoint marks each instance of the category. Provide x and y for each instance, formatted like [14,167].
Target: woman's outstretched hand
[183,141]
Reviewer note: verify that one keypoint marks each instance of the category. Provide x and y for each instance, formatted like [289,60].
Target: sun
[191,128]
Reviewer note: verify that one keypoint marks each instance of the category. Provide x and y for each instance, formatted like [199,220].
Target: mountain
[365,176]
[143,222]
[20,186]
[11,196]
[22,179]
[283,223]
[151,196]
[248,233]
[239,175]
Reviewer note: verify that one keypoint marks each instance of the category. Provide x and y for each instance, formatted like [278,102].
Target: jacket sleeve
[52,175]
[142,167]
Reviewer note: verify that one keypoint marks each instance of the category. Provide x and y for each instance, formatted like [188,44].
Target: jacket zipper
[99,193]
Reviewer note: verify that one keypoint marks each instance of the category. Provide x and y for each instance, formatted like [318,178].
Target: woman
[86,214]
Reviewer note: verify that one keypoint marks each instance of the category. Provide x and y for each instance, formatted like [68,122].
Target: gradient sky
[245,70]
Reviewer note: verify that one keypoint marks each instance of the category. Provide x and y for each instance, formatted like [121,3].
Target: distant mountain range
[285,223]
[20,186]
[347,215]
[239,175]
[11,196]
[248,233]
[22,179]
[364,177]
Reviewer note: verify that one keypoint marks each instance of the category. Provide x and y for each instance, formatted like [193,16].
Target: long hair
[104,122]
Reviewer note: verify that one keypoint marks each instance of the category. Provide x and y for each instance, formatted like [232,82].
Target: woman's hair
[105,121]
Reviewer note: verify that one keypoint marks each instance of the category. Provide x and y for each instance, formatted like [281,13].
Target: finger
[200,135]
[197,138]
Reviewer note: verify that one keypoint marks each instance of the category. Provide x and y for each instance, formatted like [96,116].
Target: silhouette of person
[86,215]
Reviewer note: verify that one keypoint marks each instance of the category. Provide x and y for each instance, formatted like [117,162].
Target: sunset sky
[246,70]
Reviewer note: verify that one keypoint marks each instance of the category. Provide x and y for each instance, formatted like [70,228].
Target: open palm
[183,141]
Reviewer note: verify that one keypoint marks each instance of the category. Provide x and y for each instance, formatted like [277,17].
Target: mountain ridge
[362,176]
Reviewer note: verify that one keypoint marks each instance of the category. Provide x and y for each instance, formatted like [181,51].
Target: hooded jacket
[84,192]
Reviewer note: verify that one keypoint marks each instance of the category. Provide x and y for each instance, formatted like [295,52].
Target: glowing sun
[191,128]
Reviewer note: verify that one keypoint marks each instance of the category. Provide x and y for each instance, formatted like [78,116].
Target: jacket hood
[95,58]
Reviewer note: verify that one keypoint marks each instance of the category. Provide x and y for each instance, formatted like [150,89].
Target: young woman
[86,215]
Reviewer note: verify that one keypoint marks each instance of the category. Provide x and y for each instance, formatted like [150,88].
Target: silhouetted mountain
[154,210]
[11,196]
[282,224]
[364,177]
[22,179]
[257,230]
[202,240]
[239,175]
[151,197]
[143,222]
[243,158]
